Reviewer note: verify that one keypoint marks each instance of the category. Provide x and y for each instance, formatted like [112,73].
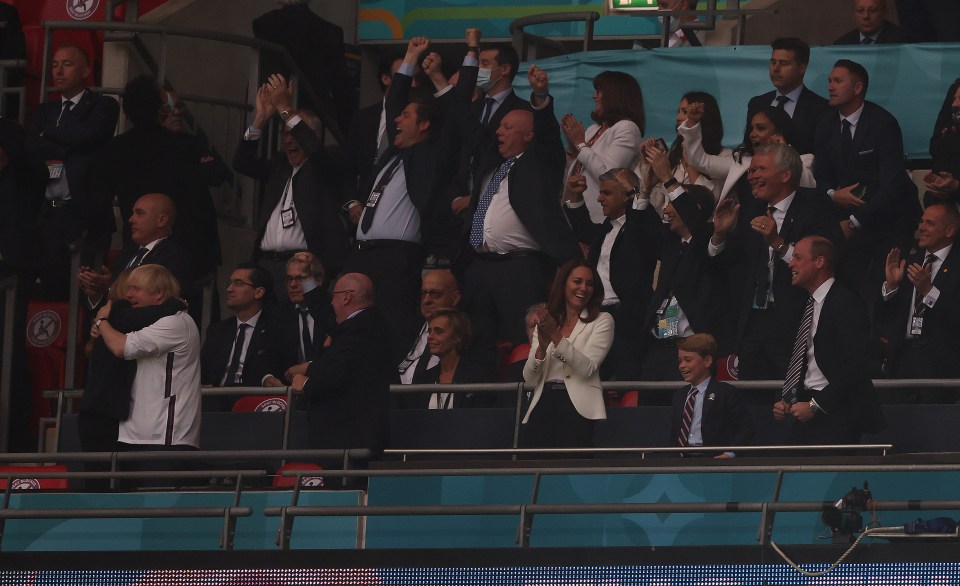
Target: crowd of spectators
[660,250]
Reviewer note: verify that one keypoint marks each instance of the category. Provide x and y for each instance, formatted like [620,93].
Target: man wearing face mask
[494,69]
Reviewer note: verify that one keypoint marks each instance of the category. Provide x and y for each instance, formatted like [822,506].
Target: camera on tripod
[844,517]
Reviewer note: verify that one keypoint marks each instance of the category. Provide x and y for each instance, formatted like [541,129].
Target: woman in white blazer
[569,344]
[768,125]
[613,141]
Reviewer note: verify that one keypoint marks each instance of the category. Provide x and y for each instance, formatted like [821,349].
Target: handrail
[520,36]
[643,451]
[167,31]
[8,287]
[733,9]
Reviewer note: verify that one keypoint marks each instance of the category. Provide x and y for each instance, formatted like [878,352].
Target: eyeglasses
[433,293]
[299,279]
[344,291]
[239,283]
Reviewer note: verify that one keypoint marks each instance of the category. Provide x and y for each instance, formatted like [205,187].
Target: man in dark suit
[304,324]
[872,26]
[827,393]
[920,312]
[756,241]
[347,388]
[244,350]
[147,158]
[708,412]
[624,249]
[788,65]
[517,230]
[316,46]
[151,224]
[404,197]
[68,134]
[492,71]
[300,209]
[861,166]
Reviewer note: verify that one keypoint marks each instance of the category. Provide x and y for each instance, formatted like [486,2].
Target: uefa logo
[82,9]
[275,405]
[43,329]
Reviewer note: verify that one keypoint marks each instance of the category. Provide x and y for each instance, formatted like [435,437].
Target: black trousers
[555,423]
[497,294]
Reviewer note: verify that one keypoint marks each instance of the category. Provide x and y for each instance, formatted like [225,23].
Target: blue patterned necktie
[476,230]
[798,360]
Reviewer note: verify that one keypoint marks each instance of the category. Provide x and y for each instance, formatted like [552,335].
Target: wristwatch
[101,319]
[782,249]
[285,115]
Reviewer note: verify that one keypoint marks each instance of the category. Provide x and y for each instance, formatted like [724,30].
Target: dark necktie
[867,41]
[782,102]
[66,107]
[377,194]
[487,111]
[233,372]
[798,360]
[139,258]
[687,420]
[846,140]
[306,348]
[918,305]
[476,229]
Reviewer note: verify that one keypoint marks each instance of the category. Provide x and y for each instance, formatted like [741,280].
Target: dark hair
[459,323]
[622,99]
[556,301]
[711,128]
[856,70]
[506,55]
[259,277]
[142,101]
[799,48]
[703,201]
[426,108]
[780,120]
[949,210]
[385,65]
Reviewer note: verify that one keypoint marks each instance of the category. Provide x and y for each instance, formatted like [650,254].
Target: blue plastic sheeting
[908,80]
[256,532]
[647,529]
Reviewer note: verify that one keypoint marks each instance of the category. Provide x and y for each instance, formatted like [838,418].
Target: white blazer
[724,165]
[581,354]
[618,147]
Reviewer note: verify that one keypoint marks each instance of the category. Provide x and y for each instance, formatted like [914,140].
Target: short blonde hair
[702,344]
[155,279]
[118,290]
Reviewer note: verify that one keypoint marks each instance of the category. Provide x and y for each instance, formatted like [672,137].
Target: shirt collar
[153,244]
[794,95]
[619,222]
[821,293]
[75,99]
[784,204]
[855,117]
[500,97]
[252,322]
[943,252]
[702,387]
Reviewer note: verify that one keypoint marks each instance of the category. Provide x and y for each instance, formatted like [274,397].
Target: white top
[503,231]
[603,262]
[618,147]
[165,398]
[396,218]
[413,356]
[814,378]
[275,236]
[724,164]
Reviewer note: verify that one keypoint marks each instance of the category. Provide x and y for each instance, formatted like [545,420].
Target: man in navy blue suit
[67,134]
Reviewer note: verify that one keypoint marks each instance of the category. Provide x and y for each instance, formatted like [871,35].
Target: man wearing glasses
[307,321]
[244,350]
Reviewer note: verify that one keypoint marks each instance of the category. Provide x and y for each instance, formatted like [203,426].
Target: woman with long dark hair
[570,341]
[711,132]
[612,141]
[767,125]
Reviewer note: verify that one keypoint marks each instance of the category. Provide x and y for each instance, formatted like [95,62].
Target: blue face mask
[485,79]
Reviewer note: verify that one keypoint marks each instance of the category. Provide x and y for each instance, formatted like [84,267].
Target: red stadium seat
[280,481]
[629,399]
[728,367]
[27,483]
[260,404]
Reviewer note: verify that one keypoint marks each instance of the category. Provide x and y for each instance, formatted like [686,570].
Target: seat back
[260,404]
[280,481]
[27,483]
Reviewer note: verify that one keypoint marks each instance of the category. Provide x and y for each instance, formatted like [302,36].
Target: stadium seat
[260,404]
[280,481]
[629,399]
[27,483]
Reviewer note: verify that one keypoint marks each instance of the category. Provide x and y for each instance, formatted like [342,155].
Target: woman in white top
[610,143]
[711,133]
[768,125]
[570,341]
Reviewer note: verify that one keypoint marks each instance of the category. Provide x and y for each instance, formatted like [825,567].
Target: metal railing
[710,14]
[523,40]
